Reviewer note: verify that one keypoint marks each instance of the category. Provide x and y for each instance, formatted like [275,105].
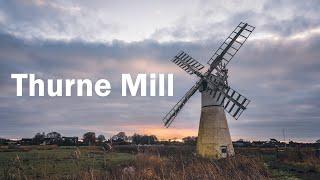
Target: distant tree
[318,141]
[144,139]
[153,139]
[101,138]
[53,138]
[3,141]
[89,138]
[54,135]
[136,139]
[69,141]
[174,139]
[122,135]
[39,138]
[191,140]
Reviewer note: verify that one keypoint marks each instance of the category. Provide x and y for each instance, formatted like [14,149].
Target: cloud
[170,21]
[280,77]
[277,68]
[59,59]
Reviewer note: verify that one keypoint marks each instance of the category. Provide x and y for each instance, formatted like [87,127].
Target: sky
[278,68]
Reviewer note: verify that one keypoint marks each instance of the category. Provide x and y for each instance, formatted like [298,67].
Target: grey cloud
[205,20]
[56,60]
[280,77]
[52,19]
[283,18]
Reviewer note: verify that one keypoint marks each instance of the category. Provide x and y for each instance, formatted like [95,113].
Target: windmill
[214,140]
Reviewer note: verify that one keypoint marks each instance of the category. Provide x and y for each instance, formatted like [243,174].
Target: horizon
[280,139]
[277,68]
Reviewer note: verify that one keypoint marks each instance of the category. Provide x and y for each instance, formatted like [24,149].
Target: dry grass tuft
[155,167]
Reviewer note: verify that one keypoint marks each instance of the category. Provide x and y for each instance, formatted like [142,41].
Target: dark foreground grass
[59,163]
[287,163]
[130,162]
[155,162]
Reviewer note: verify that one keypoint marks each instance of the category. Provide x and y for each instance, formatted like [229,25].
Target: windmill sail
[235,109]
[230,46]
[187,63]
[167,120]
[233,102]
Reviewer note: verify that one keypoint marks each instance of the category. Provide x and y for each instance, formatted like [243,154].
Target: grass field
[59,162]
[161,162]
[287,163]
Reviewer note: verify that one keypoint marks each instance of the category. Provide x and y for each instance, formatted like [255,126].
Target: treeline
[88,139]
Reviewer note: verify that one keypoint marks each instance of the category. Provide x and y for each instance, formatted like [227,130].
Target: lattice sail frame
[246,31]
[187,63]
[167,120]
[233,102]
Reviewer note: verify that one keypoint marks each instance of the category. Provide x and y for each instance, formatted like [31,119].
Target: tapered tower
[214,140]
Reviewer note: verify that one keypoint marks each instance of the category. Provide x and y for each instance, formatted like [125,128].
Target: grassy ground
[59,162]
[162,162]
[287,163]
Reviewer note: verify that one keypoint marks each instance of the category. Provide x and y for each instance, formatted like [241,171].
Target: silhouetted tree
[53,138]
[122,135]
[54,135]
[145,139]
[191,140]
[38,138]
[153,139]
[101,138]
[4,141]
[136,138]
[89,138]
